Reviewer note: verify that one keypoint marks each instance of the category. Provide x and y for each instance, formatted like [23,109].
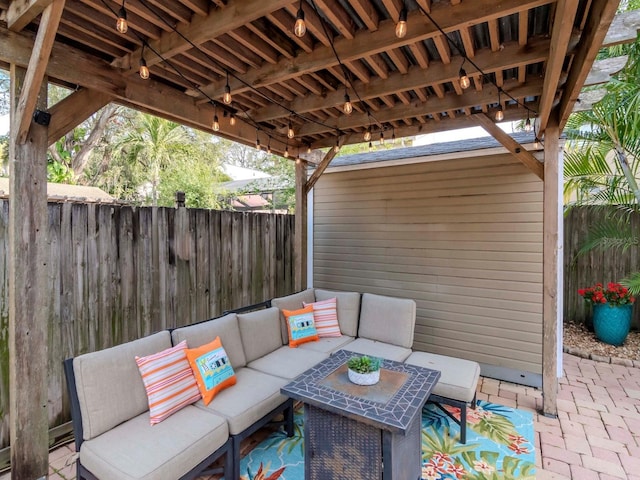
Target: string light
[537,145]
[300,27]
[257,139]
[348,106]
[269,145]
[401,26]
[226,98]
[286,152]
[308,148]
[232,119]
[370,147]
[336,148]
[393,137]
[499,112]
[216,122]
[298,159]
[527,125]
[464,79]
[144,70]
[121,24]
[367,134]
[290,132]
[381,138]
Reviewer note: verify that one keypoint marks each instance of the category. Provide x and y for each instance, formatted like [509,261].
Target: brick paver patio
[595,437]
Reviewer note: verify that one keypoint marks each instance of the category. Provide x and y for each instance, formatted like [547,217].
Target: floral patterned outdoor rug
[499,447]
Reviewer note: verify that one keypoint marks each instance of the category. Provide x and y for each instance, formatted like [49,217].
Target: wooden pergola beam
[452,102]
[512,56]
[21,12]
[73,110]
[234,15]
[561,34]
[517,150]
[594,33]
[430,126]
[37,67]
[322,166]
[368,43]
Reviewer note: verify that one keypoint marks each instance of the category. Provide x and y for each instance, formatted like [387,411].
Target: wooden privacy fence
[596,266]
[117,273]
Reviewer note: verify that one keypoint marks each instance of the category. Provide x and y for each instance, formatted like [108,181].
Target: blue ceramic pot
[611,323]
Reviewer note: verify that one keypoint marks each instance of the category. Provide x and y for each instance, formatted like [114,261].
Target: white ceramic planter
[370,378]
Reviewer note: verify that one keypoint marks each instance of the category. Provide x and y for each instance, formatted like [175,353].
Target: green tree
[152,142]
[602,161]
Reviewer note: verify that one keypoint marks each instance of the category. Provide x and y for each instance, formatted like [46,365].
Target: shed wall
[463,238]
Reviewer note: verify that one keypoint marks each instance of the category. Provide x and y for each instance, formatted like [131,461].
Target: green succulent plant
[364,364]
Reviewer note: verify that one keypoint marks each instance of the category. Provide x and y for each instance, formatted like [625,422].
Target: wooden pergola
[524,58]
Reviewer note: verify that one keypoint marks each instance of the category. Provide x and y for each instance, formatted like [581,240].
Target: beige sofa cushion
[226,328]
[253,396]
[291,302]
[136,450]
[387,319]
[287,362]
[109,385]
[365,346]
[328,345]
[459,377]
[260,332]
[348,309]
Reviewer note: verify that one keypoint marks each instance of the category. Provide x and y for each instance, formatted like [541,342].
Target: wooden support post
[28,301]
[301,227]
[551,225]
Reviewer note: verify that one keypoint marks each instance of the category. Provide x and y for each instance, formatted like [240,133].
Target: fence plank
[4,322]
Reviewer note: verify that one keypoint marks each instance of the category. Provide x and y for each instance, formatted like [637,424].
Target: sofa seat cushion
[458,379]
[253,396]
[137,450]
[373,348]
[348,306]
[329,345]
[287,362]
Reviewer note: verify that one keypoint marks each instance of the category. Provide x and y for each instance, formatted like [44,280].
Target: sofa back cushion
[260,332]
[109,385]
[291,302]
[226,328]
[387,319]
[348,309]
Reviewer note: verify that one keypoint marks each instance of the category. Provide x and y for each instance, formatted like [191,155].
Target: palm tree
[602,162]
[153,142]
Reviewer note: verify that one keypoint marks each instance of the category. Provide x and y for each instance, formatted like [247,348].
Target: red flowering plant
[614,294]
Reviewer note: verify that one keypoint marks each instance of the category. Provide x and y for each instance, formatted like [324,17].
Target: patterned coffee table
[357,432]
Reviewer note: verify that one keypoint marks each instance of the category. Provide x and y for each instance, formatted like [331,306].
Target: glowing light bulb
[464,79]
[121,25]
[348,107]
[258,146]
[226,98]
[232,119]
[216,123]
[381,138]
[290,132]
[401,26]
[300,27]
[536,144]
[499,114]
[144,70]
[269,146]
[286,152]
[337,147]
[308,148]
[367,135]
[297,160]
[528,126]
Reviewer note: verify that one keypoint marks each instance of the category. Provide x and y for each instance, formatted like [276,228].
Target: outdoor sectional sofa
[110,410]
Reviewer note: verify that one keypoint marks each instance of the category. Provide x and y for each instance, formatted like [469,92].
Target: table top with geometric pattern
[393,405]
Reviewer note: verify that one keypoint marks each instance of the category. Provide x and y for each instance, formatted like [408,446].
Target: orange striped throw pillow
[325,316]
[169,381]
